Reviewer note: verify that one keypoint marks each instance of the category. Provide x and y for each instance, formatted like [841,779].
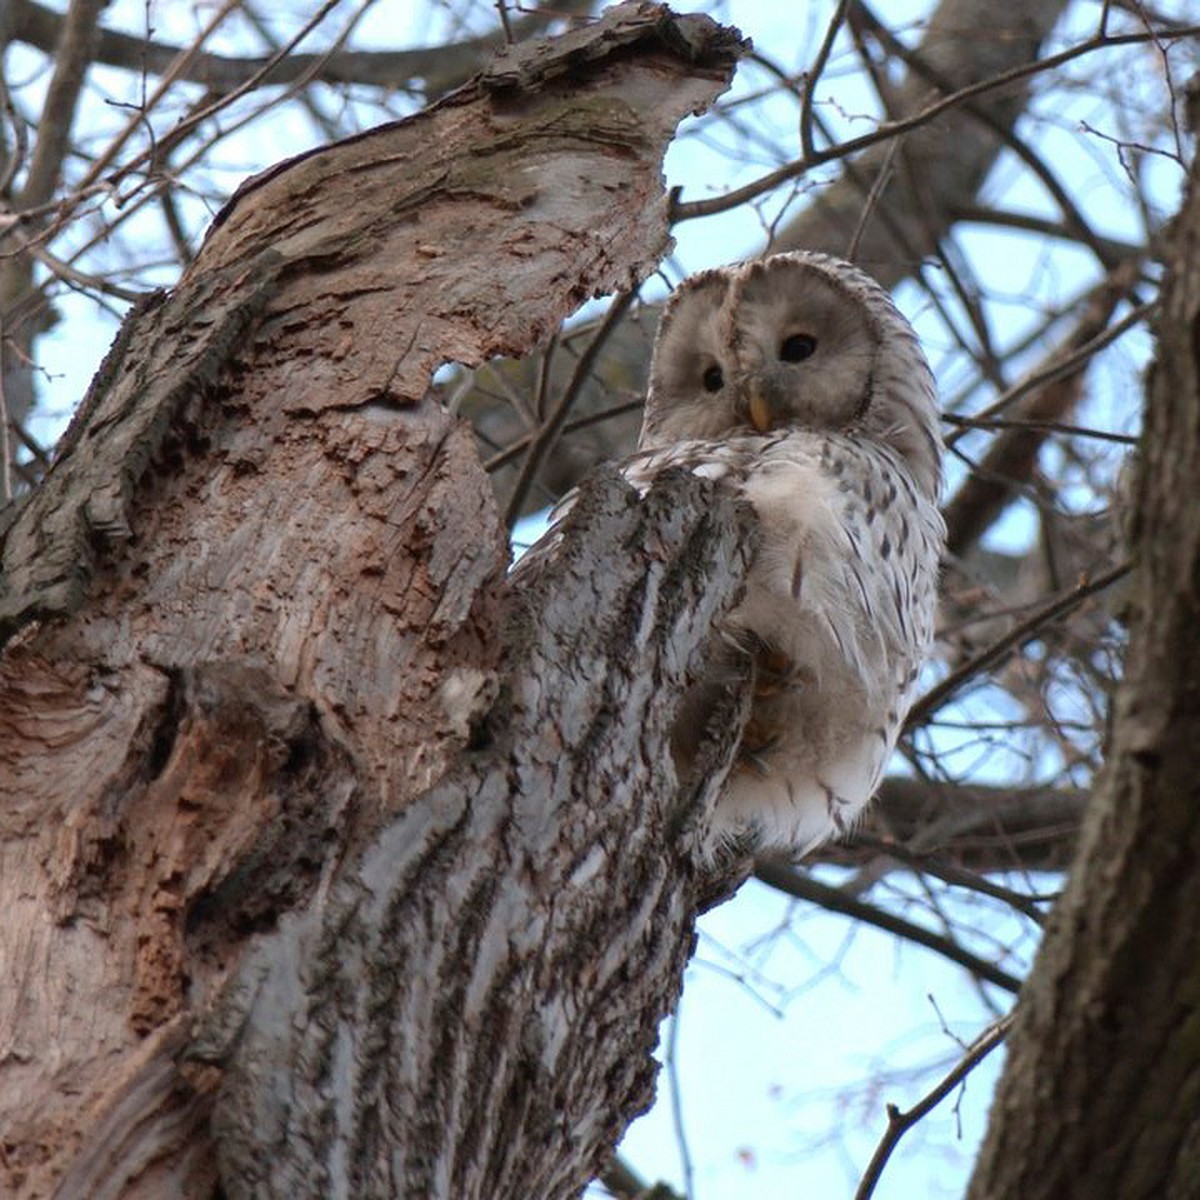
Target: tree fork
[328,868]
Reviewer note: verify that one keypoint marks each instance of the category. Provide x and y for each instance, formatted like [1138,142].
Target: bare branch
[438,67]
[541,441]
[73,50]
[814,75]
[804,887]
[690,210]
[1026,631]
[1050,392]
[899,1123]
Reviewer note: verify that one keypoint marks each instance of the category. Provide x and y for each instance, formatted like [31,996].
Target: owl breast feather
[840,600]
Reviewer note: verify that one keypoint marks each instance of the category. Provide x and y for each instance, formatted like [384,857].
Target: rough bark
[472,1009]
[1101,1093]
[324,873]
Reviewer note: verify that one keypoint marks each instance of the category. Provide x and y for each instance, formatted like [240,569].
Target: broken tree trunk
[328,867]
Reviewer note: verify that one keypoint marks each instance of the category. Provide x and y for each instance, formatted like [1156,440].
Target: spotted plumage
[797,381]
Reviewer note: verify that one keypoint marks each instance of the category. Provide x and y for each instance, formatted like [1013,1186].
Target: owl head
[794,341]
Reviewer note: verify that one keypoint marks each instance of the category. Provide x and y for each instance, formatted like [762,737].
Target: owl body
[796,380]
[837,614]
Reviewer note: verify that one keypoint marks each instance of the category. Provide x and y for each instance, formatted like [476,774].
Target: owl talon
[745,642]
[752,761]
[775,673]
[756,744]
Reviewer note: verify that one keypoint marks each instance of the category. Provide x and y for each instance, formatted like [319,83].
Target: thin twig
[325,124]
[5,445]
[1061,367]
[625,1183]
[102,161]
[502,9]
[1103,435]
[1014,639]
[15,158]
[513,449]
[873,197]
[690,210]
[685,1155]
[956,876]
[810,83]
[543,378]
[899,1123]
[915,62]
[805,887]
[441,66]
[1113,249]
[218,104]
[82,281]
[72,56]
[552,426]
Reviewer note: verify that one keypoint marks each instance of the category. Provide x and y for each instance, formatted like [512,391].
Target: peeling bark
[325,869]
[1101,1093]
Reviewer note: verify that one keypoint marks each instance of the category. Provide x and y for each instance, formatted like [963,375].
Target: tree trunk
[1101,1093]
[329,869]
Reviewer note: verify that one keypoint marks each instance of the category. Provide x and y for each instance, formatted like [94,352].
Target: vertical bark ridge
[532,950]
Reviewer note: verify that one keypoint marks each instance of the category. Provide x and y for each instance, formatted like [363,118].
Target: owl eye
[797,348]
[713,379]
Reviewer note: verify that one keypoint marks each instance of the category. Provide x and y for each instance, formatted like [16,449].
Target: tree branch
[691,210]
[1016,637]
[972,826]
[72,51]
[805,887]
[440,68]
[899,1123]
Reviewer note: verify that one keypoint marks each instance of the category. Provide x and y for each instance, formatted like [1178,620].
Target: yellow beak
[758,408]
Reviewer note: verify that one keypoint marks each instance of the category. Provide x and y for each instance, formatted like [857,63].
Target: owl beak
[758,408]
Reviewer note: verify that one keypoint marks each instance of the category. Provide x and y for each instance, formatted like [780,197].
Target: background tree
[897,141]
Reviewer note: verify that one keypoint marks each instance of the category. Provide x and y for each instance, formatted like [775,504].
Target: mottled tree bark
[330,867]
[1101,1093]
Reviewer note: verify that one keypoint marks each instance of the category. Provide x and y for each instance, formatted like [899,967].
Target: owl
[796,381]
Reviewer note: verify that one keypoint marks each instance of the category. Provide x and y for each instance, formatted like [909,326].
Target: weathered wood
[471,1011]
[260,725]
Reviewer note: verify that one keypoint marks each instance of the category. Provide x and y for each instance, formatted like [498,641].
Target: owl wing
[848,540]
[841,596]
[841,591]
